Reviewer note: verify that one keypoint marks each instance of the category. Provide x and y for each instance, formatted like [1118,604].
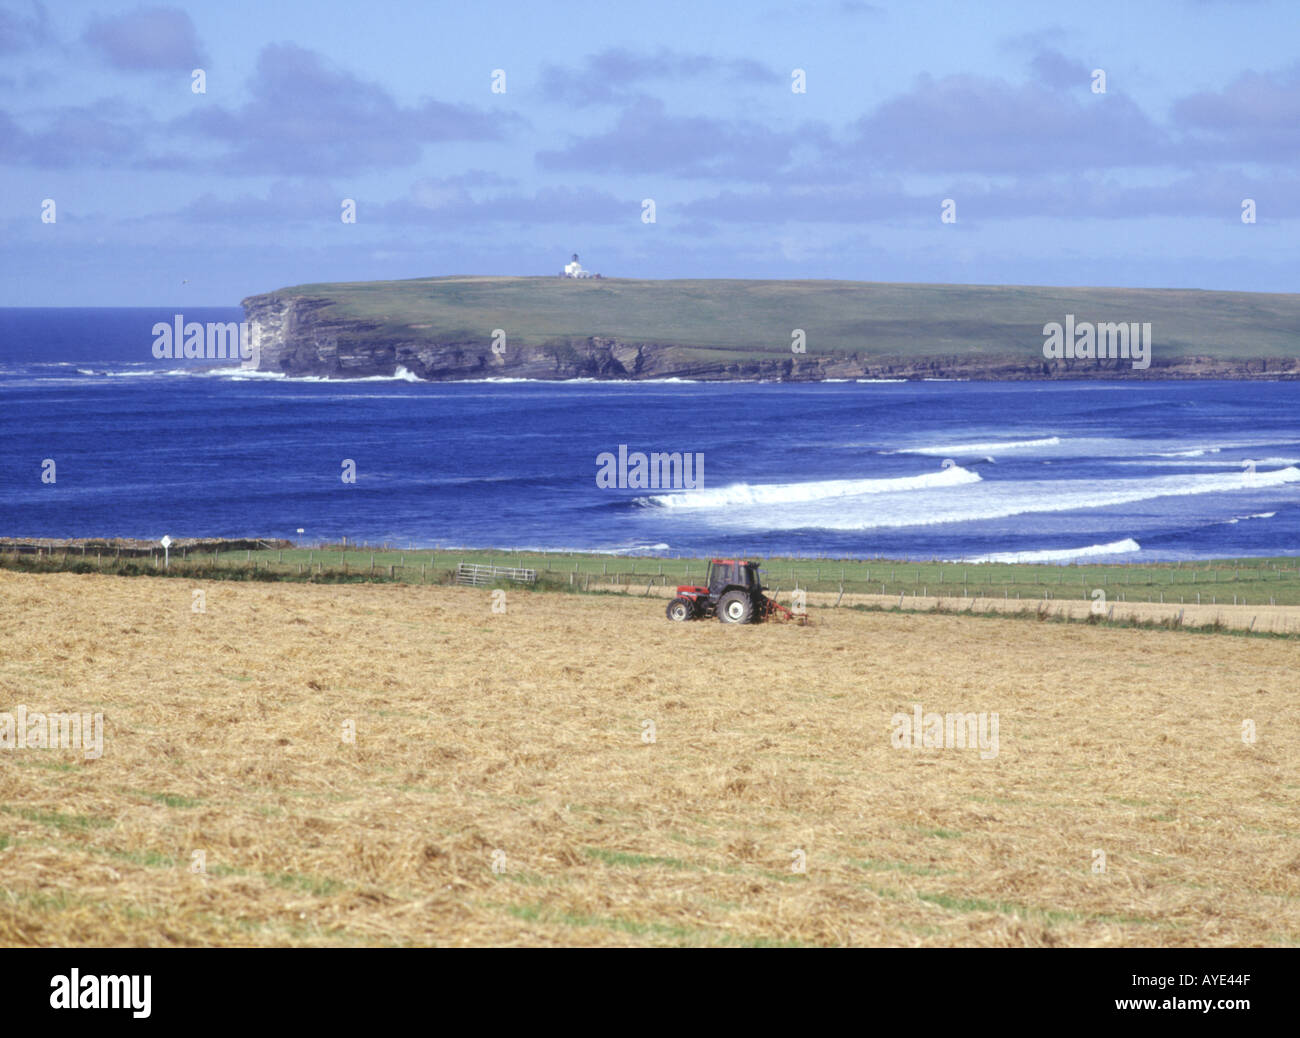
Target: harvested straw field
[576,770]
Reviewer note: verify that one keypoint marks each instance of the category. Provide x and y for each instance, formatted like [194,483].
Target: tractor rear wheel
[735,607]
[681,609]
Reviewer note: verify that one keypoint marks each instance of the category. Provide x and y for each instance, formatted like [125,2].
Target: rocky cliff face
[300,335]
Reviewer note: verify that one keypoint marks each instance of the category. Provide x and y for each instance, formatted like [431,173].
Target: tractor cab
[732,573]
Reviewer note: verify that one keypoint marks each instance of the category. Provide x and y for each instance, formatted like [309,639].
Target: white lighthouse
[573,269]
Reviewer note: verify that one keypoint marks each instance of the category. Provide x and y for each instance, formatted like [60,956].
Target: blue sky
[166,196]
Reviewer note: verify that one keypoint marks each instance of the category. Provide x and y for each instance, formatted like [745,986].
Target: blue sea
[950,470]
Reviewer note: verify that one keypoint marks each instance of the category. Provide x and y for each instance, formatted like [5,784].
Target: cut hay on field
[520,741]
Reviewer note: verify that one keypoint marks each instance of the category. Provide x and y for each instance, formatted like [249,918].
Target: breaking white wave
[402,374]
[584,381]
[247,374]
[979,501]
[980,448]
[242,374]
[1241,518]
[821,490]
[1104,448]
[1060,554]
[1217,463]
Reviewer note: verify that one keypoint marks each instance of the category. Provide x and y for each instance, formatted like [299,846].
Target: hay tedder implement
[734,594]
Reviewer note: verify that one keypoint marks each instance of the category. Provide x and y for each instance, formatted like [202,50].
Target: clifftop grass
[745,319]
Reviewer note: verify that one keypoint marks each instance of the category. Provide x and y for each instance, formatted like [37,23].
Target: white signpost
[166,542]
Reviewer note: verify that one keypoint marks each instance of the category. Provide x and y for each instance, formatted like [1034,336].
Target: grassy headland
[724,327]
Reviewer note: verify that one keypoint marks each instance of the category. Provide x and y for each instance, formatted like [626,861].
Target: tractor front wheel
[681,609]
[735,607]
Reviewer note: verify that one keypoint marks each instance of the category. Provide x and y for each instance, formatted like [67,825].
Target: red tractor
[734,594]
